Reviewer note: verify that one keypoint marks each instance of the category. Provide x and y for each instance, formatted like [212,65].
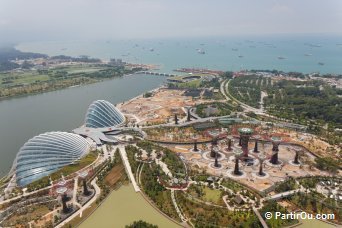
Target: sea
[299,53]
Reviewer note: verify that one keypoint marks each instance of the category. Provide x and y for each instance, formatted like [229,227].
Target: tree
[141,224]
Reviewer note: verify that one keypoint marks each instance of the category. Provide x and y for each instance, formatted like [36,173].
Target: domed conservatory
[46,153]
[102,114]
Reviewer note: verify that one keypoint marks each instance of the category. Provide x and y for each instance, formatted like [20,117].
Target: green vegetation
[296,100]
[314,202]
[147,94]
[7,54]
[26,82]
[198,81]
[213,109]
[131,151]
[207,194]
[26,214]
[173,162]
[311,182]
[110,171]
[203,215]
[141,224]
[310,102]
[286,186]
[233,185]
[45,181]
[274,222]
[247,89]
[155,191]
[212,195]
[328,164]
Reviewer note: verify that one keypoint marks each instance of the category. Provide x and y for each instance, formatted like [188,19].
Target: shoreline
[5,174]
[63,88]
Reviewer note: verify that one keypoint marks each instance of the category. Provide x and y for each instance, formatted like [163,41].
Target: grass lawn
[86,160]
[211,195]
[31,76]
[192,84]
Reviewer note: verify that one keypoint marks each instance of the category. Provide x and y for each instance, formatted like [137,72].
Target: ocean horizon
[306,54]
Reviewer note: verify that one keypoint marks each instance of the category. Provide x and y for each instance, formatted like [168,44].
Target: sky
[35,20]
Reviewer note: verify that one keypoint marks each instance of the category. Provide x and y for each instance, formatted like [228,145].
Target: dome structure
[46,153]
[102,114]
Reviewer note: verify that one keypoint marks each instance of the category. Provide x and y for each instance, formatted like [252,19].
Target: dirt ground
[114,175]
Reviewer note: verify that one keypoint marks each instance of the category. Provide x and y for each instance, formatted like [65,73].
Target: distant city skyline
[135,19]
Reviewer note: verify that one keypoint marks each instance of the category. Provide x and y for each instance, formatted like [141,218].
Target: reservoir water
[25,117]
[133,207]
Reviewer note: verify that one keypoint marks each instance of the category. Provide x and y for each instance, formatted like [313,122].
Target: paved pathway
[80,211]
[74,199]
[261,219]
[284,194]
[128,167]
[180,214]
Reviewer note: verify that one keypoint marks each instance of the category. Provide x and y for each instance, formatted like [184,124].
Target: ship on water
[200,51]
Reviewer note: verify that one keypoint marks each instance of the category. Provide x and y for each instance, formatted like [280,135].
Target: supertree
[237,153]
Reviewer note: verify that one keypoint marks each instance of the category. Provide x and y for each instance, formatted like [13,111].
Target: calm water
[25,117]
[300,53]
[133,207]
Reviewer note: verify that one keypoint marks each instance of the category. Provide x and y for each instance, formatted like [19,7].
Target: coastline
[62,88]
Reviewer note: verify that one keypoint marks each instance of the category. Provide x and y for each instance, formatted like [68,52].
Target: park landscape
[212,153]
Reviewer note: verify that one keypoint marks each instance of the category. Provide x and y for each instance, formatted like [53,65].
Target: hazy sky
[25,20]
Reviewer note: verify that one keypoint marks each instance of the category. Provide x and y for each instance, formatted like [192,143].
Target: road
[224,88]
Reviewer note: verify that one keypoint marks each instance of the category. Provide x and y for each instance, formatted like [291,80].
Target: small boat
[281,57]
[151,49]
[200,51]
[308,54]
[235,49]
[320,63]
[240,56]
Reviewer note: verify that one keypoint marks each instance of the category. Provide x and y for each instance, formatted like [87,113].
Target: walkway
[284,194]
[74,199]
[261,219]
[128,167]
[85,206]
[180,214]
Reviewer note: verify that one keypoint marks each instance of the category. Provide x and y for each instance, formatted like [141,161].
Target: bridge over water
[158,74]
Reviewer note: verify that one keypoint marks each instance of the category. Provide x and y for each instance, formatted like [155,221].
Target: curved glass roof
[46,153]
[103,114]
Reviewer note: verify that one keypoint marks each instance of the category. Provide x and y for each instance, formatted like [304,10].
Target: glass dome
[103,114]
[46,153]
